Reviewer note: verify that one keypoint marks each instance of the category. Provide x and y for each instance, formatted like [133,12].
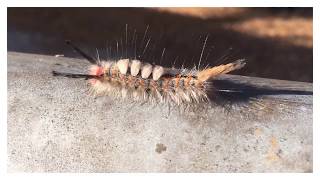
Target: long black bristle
[71,75]
[82,53]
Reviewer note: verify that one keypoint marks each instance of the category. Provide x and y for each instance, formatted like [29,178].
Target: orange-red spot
[178,80]
[96,70]
[141,82]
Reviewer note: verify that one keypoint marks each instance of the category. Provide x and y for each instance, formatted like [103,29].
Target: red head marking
[96,71]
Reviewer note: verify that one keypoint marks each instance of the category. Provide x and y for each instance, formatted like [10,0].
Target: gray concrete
[54,125]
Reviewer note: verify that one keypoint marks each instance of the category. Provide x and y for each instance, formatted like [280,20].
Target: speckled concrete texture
[55,125]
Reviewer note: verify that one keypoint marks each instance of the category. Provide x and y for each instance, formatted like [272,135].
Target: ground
[55,125]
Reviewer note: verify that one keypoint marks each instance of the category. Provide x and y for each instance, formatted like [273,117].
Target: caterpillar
[142,81]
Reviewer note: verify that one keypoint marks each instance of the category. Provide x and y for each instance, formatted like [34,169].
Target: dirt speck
[274,151]
[160,148]
[258,132]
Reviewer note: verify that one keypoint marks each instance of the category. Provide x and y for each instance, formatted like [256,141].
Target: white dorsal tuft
[123,65]
[157,72]
[146,70]
[135,67]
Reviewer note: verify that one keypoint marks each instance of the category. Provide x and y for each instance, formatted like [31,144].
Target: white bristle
[106,64]
[146,71]
[157,72]
[123,65]
[135,67]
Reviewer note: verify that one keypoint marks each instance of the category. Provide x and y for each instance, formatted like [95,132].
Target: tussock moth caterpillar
[141,81]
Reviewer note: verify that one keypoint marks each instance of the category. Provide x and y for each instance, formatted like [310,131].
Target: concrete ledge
[54,125]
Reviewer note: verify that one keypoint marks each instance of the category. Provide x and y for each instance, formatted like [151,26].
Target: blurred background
[276,42]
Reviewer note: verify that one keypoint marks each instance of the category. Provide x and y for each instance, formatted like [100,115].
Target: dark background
[276,42]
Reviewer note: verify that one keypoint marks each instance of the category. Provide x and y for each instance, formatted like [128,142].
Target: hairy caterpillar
[131,78]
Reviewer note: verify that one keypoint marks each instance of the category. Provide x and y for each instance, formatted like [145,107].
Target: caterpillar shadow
[229,92]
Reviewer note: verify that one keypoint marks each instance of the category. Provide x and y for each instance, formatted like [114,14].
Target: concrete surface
[54,125]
